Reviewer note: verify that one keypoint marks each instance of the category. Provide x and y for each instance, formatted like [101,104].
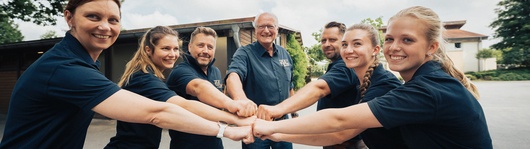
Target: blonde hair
[434,30]
[141,60]
[373,35]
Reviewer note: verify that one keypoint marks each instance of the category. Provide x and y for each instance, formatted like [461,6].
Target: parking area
[506,105]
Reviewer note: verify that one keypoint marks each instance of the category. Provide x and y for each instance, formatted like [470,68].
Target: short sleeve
[179,78]
[408,104]
[239,64]
[80,85]
[339,79]
[150,86]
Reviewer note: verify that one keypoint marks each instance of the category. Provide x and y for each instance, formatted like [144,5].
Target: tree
[377,24]
[299,59]
[38,12]
[9,31]
[513,28]
[49,34]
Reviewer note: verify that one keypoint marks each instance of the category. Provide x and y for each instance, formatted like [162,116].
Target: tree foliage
[9,31]
[513,28]
[377,24]
[49,34]
[36,11]
[300,61]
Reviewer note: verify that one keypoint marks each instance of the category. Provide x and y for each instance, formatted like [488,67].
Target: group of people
[360,104]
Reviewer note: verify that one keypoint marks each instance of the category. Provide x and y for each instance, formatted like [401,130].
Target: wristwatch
[222,127]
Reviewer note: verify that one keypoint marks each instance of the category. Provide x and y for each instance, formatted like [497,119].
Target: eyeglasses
[270,27]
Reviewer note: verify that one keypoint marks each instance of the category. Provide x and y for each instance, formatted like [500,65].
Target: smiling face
[406,46]
[357,50]
[95,24]
[202,48]
[266,29]
[331,42]
[165,53]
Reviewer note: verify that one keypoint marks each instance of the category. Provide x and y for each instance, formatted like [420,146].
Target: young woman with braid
[436,107]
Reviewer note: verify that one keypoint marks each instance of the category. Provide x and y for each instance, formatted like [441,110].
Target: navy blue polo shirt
[134,135]
[51,104]
[433,110]
[177,81]
[382,81]
[265,79]
[343,83]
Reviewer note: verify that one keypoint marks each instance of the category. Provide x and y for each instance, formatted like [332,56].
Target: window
[458,45]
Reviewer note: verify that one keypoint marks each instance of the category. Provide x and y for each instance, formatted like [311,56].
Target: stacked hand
[267,112]
[243,107]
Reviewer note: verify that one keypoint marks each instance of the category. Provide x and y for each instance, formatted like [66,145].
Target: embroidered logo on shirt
[218,84]
[284,63]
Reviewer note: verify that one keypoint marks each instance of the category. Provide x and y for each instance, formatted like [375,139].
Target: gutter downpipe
[235,31]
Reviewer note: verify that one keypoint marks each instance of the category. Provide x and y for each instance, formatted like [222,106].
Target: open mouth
[394,57]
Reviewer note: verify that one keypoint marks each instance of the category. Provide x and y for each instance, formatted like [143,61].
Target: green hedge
[501,75]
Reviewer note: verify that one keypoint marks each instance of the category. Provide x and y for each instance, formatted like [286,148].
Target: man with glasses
[262,72]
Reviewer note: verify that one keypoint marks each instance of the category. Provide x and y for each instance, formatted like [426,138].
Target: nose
[393,46]
[346,49]
[174,54]
[104,26]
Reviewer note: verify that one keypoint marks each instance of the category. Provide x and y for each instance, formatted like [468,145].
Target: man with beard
[337,88]
[196,78]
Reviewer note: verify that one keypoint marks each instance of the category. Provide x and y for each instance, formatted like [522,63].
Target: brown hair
[73,4]
[141,60]
[373,35]
[205,30]
[433,32]
[340,26]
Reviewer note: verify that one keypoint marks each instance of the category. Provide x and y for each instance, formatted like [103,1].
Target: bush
[510,77]
[300,61]
[471,77]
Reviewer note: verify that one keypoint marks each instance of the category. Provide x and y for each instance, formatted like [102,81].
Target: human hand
[268,113]
[243,133]
[262,128]
[245,121]
[243,107]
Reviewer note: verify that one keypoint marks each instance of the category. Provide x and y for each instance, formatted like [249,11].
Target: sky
[306,16]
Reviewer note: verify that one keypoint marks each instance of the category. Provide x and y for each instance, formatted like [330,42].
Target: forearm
[203,110]
[234,87]
[325,139]
[207,93]
[130,107]
[329,120]
[304,97]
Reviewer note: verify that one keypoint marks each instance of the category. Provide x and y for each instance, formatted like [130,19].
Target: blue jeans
[267,144]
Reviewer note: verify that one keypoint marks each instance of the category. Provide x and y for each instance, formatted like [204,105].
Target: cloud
[135,20]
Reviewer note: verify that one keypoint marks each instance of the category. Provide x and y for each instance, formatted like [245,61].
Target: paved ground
[505,105]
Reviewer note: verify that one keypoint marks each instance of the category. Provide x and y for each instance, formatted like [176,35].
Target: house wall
[464,57]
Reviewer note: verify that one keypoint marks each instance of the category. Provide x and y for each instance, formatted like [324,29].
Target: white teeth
[102,36]
[397,57]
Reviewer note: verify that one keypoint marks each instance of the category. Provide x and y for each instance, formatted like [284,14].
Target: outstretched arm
[304,97]
[323,121]
[130,107]
[325,139]
[208,94]
[209,112]
[234,88]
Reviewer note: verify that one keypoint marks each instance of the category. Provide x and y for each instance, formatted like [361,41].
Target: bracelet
[222,127]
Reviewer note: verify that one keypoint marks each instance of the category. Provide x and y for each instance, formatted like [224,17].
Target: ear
[148,50]
[433,48]
[377,48]
[68,18]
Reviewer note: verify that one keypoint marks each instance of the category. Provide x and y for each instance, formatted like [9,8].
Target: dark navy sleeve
[90,87]
[147,85]
[239,64]
[179,78]
[339,79]
[382,82]
[408,104]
